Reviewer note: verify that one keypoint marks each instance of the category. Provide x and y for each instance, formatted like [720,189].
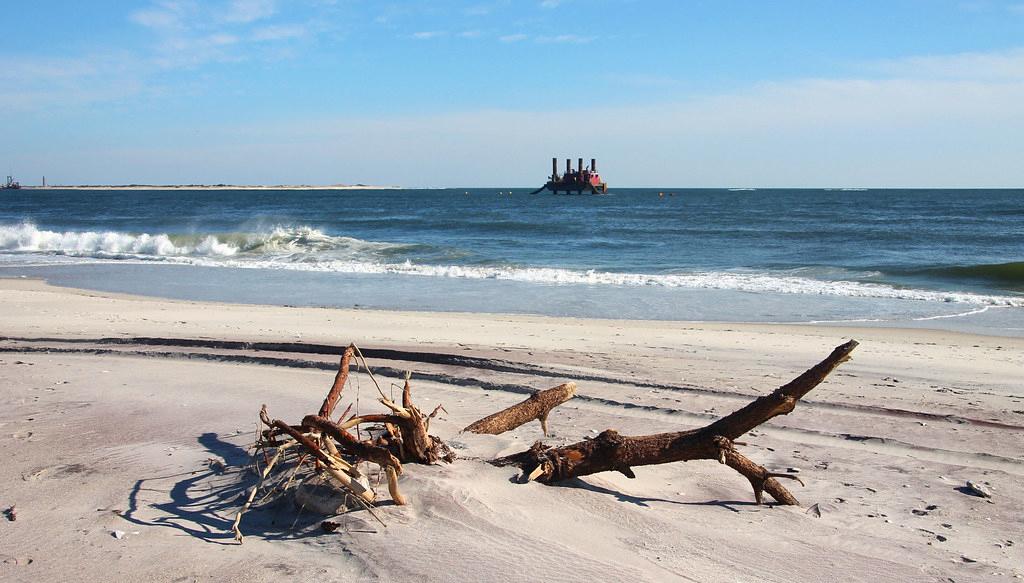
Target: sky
[448,93]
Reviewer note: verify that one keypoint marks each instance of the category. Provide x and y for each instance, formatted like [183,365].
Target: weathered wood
[331,400]
[407,438]
[350,445]
[610,451]
[782,400]
[537,406]
[329,464]
[416,445]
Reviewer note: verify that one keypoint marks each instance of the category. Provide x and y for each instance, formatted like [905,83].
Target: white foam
[279,243]
[26,238]
[308,249]
[973,312]
[748,282]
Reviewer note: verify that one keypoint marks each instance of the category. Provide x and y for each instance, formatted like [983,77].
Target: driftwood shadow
[622,497]
[203,503]
[730,505]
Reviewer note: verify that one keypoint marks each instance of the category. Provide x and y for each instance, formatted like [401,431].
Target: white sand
[102,437]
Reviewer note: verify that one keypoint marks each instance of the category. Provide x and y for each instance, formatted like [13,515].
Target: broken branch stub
[537,406]
[415,444]
[610,451]
[331,401]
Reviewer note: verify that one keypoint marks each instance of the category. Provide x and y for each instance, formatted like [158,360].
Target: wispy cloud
[566,38]
[190,34]
[47,83]
[429,34]
[246,11]
[485,8]
[280,32]
[183,34]
[642,80]
[513,38]
[996,65]
[550,3]
[896,131]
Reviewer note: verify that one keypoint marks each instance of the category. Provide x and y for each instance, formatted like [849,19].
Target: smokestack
[593,164]
[554,168]
[568,165]
[580,165]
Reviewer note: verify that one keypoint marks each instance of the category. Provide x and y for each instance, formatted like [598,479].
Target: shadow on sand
[203,503]
[730,505]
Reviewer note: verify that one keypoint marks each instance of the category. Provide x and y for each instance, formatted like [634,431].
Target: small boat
[579,180]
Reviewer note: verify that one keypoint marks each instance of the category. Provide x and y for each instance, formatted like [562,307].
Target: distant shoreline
[211,187]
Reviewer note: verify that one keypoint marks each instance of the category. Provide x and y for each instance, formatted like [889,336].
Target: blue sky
[484,93]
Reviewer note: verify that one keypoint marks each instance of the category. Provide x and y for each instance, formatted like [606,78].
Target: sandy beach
[111,420]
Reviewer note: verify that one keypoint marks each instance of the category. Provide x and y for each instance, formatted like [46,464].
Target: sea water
[938,258]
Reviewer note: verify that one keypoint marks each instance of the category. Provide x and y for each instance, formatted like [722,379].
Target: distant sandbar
[212,187]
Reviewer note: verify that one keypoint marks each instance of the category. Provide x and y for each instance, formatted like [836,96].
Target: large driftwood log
[537,406]
[610,451]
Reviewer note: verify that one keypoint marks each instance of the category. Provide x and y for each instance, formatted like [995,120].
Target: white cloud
[429,34]
[246,11]
[190,34]
[566,38]
[470,34]
[280,32]
[48,83]
[513,38]
[935,120]
[1007,65]
[807,133]
[815,132]
[165,15]
[485,8]
[156,18]
[642,80]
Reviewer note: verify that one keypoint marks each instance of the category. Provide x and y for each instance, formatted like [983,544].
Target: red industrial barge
[578,181]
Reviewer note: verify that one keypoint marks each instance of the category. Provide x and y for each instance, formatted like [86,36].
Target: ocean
[951,259]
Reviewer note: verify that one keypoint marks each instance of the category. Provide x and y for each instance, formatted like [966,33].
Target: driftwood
[537,406]
[320,449]
[331,400]
[610,451]
[406,429]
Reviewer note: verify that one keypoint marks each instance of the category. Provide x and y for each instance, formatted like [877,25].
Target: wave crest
[309,249]
[26,238]
[280,242]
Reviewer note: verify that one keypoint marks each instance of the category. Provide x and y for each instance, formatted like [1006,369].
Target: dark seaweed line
[438,358]
[442,359]
[396,374]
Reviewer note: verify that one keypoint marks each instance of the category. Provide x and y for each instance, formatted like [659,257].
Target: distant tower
[44,182]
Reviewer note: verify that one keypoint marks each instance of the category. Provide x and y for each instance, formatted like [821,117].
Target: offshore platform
[579,180]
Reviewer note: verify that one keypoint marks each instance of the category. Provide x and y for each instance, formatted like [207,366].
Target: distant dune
[211,187]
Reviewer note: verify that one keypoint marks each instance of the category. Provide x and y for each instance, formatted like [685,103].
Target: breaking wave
[283,243]
[308,249]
